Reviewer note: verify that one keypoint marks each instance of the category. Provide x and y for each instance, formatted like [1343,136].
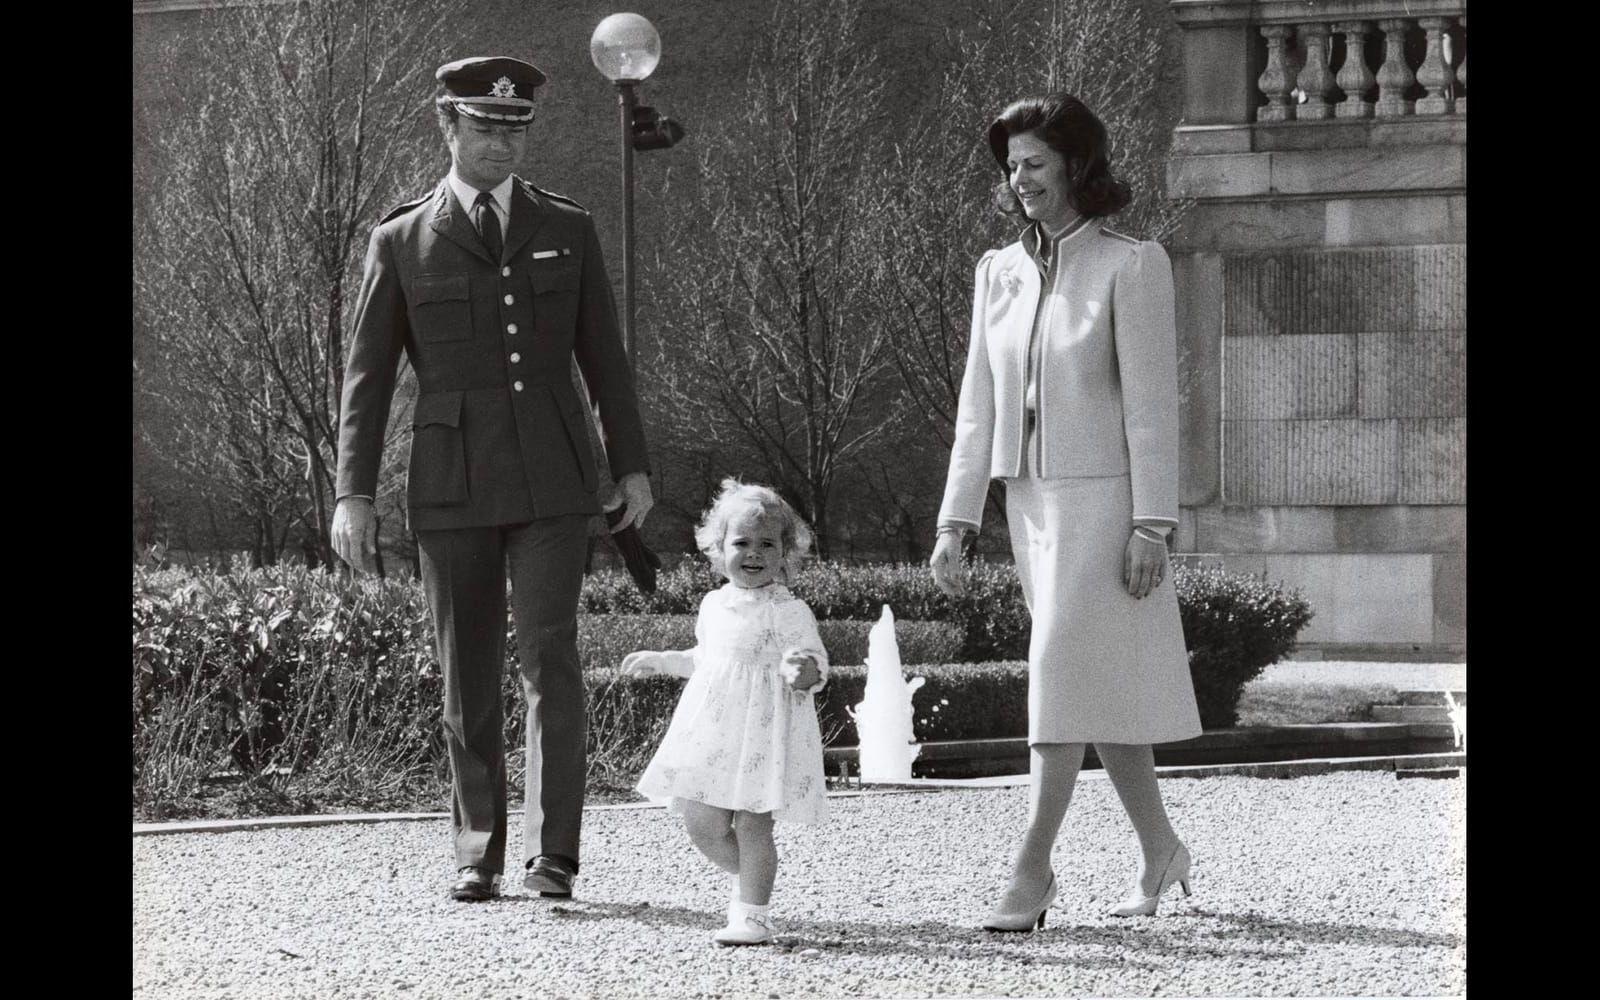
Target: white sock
[740,911]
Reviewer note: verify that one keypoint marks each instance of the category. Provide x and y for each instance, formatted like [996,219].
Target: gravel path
[1349,884]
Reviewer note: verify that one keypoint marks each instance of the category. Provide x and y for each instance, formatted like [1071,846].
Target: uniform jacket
[1107,384]
[498,431]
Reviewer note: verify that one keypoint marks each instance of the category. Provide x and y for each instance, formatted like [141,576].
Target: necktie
[489,225]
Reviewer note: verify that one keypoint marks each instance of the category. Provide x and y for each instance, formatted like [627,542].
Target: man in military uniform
[490,287]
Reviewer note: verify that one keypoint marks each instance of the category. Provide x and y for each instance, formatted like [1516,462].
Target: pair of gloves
[800,670]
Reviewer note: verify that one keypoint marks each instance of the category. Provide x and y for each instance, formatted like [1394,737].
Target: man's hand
[636,496]
[946,564]
[1144,563]
[355,533]
[800,670]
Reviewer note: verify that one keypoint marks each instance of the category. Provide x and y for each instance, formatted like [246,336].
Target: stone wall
[1322,299]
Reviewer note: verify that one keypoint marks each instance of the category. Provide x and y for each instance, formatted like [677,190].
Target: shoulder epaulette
[1118,236]
[398,211]
[553,196]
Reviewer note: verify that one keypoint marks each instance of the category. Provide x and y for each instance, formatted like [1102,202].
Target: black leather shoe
[550,877]
[474,885]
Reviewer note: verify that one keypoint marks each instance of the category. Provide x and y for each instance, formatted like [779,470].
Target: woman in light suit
[1070,396]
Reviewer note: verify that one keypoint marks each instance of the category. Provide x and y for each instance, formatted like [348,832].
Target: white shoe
[747,924]
[1137,904]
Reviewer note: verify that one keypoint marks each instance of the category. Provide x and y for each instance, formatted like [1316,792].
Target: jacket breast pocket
[438,476]
[441,307]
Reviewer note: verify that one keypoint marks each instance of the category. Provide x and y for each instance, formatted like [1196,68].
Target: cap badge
[503,87]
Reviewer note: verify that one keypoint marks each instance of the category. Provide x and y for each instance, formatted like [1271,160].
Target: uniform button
[515,358]
[517,386]
[511,328]
[510,299]
[505,272]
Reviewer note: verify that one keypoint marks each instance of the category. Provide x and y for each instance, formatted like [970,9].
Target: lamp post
[625,49]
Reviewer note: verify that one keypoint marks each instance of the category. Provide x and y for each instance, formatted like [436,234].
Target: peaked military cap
[491,88]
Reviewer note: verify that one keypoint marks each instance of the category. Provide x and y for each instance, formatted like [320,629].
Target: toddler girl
[744,748]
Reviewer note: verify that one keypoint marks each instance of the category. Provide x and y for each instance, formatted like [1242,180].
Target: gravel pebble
[1346,884]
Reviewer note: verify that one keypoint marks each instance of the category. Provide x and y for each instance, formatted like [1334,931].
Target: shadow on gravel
[923,940]
[1249,926]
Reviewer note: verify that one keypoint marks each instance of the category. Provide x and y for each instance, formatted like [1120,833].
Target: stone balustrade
[1273,61]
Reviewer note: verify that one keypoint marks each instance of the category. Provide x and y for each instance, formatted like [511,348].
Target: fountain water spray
[883,718]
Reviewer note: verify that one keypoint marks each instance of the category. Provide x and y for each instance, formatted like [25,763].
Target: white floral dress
[741,737]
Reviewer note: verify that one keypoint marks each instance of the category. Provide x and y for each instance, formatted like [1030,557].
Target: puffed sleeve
[967,483]
[1145,331]
[797,632]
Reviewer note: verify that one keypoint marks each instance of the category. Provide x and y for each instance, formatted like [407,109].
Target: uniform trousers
[464,573]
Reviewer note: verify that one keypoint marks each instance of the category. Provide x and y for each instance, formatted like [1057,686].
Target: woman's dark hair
[1068,126]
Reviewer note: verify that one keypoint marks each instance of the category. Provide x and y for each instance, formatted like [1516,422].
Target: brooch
[1010,282]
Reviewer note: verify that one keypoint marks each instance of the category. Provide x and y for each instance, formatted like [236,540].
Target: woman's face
[1038,176]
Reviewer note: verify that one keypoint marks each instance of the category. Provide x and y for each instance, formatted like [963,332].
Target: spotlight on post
[625,49]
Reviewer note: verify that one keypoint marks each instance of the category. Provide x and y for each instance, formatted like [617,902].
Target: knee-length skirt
[1103,666]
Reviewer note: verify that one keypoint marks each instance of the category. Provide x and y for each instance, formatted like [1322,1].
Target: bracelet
[1149,535]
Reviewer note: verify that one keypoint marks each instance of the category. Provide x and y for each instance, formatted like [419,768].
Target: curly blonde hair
[734,499]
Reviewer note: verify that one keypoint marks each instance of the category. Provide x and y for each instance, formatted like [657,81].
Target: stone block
[1450,598]
[1264,529]
[1370,290]
[1206,140]
[1370,169]
[1274,378]
[1360,598]
[1400,528]
[1433,461]
[1324,462]
[1422,374]
[1197,280]
[1218,87]
[1403,220]
[1223,175]
[1356,598]
[1251,226]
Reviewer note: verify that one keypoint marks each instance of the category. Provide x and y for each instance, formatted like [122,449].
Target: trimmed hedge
[992,617]
[603,640]
[301,670]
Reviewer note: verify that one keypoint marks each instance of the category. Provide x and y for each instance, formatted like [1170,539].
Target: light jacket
[1107,379]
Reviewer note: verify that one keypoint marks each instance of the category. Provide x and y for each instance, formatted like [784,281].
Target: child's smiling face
[752,549]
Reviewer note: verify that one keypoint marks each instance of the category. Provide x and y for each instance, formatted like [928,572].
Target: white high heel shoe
[746,925]
[1026,920]
[1136,904]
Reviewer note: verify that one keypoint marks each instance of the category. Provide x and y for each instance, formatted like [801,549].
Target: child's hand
[800,670]
[641,664]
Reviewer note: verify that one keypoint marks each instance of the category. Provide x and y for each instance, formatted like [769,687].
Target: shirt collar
[1034,234]
[467,195]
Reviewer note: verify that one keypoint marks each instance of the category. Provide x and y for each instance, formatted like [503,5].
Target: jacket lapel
[527,217]
[450,220]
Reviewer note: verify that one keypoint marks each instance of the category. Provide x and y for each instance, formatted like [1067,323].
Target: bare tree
[314,122]
[941,212]
[768,335]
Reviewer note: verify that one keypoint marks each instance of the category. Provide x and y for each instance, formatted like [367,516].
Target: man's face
[485,154]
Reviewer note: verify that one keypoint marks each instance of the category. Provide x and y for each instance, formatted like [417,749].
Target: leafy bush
[1235,627]
[603,640]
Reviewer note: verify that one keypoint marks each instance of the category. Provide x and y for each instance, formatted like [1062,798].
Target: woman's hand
[1144,564]
[641,664]
[800,670]
[946,564]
